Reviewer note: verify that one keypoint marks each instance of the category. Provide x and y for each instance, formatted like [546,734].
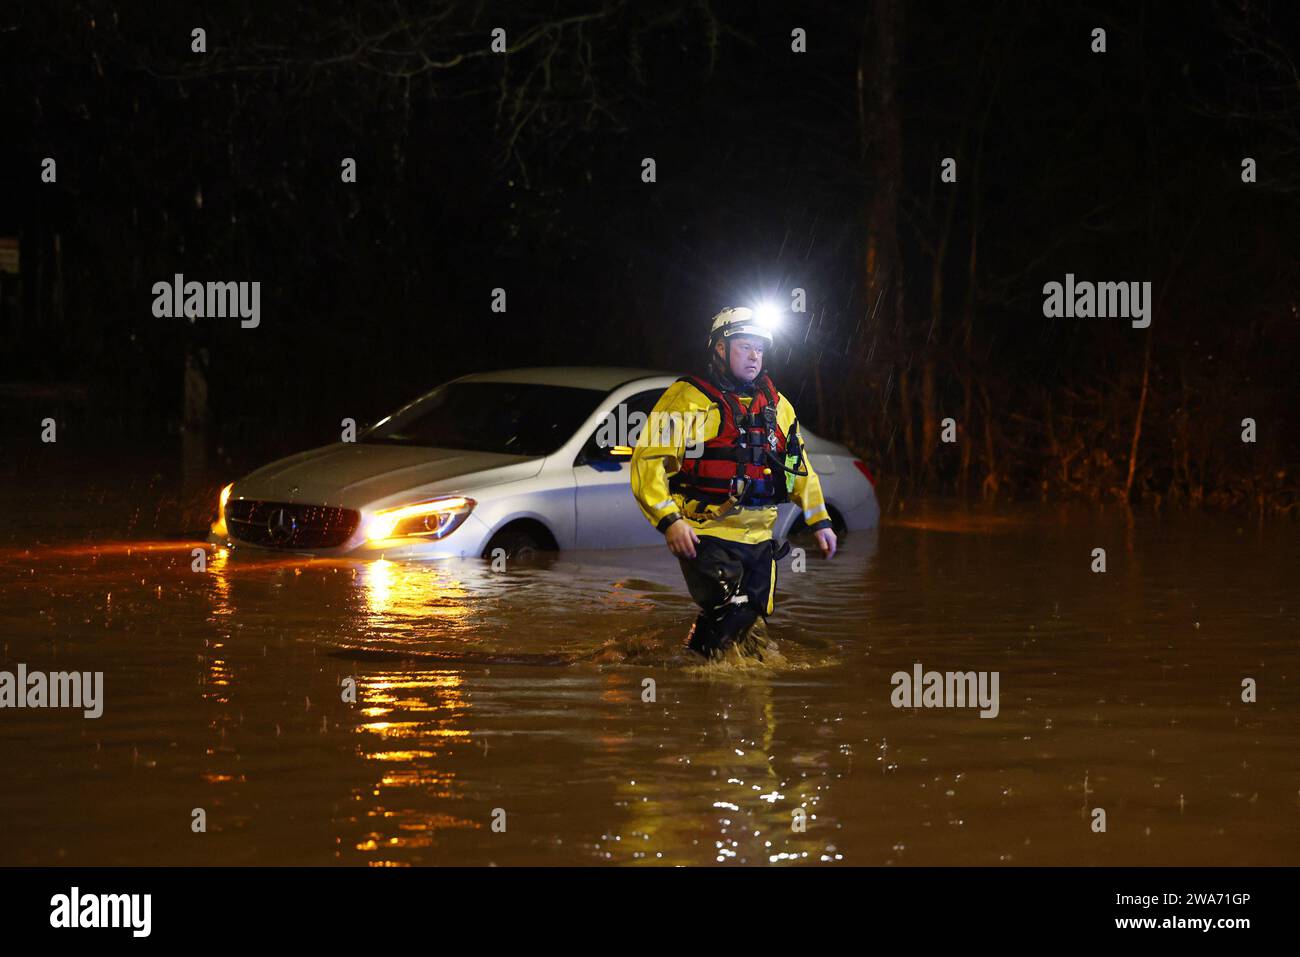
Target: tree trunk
[1137,424]
[880,126]
[905,413]
[194,419]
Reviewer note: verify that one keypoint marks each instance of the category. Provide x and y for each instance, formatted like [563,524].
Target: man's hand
[681,539]
[826,539]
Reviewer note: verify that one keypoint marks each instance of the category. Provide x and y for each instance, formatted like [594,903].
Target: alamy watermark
[210,300]
[949,689]
[622,428]
[74,909]
[1098,300]
[57,689]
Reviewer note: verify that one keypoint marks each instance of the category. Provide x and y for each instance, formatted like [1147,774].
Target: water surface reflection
[524,693]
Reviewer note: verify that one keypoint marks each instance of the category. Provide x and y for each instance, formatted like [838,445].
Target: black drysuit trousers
[734,583]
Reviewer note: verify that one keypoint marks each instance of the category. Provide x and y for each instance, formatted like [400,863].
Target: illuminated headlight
[767,315]
[434,519]
[219,526]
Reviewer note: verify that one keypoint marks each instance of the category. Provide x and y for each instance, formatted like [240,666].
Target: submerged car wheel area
[512,463]
[520,541]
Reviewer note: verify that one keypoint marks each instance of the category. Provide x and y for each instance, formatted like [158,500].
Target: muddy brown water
[524,691]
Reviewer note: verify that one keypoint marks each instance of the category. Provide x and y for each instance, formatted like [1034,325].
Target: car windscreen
[509,417]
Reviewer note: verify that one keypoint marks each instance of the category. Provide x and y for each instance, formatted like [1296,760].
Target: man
[719,453]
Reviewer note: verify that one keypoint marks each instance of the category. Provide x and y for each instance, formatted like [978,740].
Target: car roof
[603,378]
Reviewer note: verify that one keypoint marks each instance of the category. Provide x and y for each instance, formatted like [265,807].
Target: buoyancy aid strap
[740,421]
[801,460]
[704,385]
[763,386]
[729,401]
[742,424]
[734,419]
[724,453]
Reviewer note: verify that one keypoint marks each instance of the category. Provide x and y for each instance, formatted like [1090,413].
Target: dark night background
[775,170]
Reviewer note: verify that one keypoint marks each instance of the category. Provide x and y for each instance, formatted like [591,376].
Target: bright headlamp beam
[767,315]
[382,524]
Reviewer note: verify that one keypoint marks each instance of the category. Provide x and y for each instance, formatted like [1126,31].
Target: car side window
[621,427]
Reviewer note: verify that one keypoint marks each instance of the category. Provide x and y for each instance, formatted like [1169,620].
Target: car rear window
[508,417]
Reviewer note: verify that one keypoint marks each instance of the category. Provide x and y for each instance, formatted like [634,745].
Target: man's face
[744,356]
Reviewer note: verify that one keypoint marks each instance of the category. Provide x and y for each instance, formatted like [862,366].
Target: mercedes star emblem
[281,525]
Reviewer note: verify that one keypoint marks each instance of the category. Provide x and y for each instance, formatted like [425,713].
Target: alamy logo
[1098,300]
[209,300]
[950,689]
[622,428]
[58,689]
[103,910]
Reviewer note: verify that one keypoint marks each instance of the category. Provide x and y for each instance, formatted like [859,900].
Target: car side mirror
[603,459]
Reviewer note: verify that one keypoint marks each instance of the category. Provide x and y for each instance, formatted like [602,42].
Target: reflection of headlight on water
[379,583]
[409,599]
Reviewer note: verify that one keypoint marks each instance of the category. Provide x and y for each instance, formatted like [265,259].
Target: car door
[607,514]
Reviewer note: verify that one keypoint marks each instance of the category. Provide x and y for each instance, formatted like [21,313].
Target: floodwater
[520,698]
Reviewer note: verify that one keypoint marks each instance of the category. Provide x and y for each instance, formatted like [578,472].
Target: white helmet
[739,321]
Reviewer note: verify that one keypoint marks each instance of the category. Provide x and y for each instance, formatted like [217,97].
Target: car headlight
[437,518]
[219,526]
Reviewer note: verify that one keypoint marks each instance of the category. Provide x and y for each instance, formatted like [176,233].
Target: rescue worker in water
[716,504]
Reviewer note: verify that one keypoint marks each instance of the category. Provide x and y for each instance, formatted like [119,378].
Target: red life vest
[745,459]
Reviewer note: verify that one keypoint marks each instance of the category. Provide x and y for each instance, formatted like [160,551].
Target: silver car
[520,460]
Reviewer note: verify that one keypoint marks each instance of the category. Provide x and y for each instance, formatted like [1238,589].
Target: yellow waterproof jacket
[660,450]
